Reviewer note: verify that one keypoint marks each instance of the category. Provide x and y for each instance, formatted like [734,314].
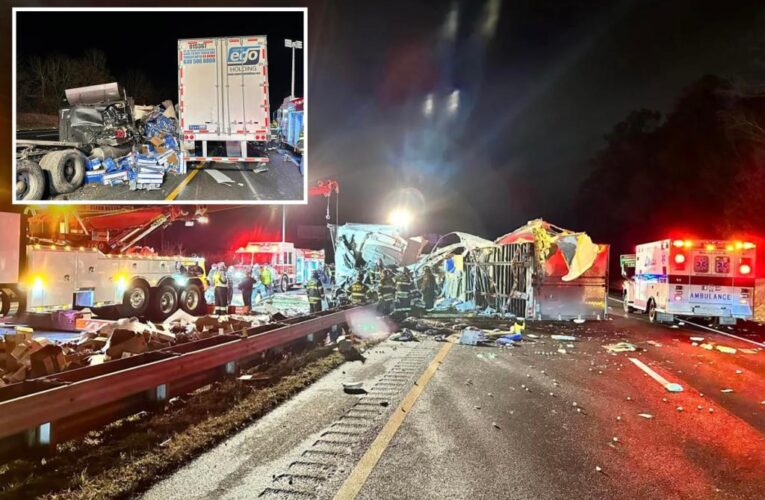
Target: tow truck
[686,278]
[52,260]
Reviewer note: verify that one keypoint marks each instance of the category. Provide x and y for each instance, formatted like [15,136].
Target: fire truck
[687,278]
[50,261]
[290,266]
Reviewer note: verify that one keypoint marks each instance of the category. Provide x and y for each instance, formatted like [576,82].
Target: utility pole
[284,222]
[293,44]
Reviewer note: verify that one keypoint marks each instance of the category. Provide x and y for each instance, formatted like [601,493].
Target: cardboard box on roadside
[48,360]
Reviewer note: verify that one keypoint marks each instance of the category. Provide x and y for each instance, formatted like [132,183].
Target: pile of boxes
[24,356]
[145,167]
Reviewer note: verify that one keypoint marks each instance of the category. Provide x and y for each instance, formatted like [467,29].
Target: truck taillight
[678,293]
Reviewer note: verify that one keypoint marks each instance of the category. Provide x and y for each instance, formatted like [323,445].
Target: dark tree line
[42,80]
[700,170]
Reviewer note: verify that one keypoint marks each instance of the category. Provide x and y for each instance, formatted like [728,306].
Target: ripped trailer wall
[583,297]
[533,290]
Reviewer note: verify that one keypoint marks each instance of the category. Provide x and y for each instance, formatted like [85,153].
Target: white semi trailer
[46,278]
[223,98]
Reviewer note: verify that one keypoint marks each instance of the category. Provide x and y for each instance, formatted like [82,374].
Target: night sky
[155,51]
[538,84]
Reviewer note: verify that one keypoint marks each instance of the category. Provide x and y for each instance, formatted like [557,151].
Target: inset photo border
[180,106]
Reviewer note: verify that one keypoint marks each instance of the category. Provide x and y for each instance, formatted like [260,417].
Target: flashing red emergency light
[745,267]
[679,259]
[678,243]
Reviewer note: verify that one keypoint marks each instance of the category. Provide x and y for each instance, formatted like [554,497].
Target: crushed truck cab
[687,278]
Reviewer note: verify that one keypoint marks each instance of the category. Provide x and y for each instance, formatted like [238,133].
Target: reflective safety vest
[358,293]
[265,276]
[219,279]
[315,291]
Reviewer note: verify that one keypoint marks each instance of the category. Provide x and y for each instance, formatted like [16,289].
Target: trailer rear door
[246,85]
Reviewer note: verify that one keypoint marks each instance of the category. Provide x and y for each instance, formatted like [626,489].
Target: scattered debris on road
[620,347]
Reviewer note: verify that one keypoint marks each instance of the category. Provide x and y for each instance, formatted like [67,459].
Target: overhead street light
[294,45]
[401,218]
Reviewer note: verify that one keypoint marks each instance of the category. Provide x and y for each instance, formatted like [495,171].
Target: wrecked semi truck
[43,278]
[708,278]
[539,271]
[97,121]
[223,98]
[359,247]
[289,121]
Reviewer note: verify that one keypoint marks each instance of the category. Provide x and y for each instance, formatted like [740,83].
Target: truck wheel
[66,169]
[651,309]
[164,302]
[193,300]
[5,303]
[30,181]
[136,299]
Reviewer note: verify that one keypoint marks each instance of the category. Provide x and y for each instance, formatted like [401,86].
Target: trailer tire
[651,310]
[164,302]
[66,170]
[135,302]
[193,300]
[30,181]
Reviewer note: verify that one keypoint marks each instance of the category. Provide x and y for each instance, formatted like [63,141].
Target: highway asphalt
[278,180]
[544,419]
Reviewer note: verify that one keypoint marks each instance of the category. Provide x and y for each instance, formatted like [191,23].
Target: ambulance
[688,278]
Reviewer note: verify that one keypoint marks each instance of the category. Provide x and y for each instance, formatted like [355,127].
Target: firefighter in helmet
[315,292]
[387,291]
[403,291]
[359,290]
[428,287]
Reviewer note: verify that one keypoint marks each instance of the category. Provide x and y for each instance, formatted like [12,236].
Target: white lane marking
[249,184]
[743,339]
[670,386]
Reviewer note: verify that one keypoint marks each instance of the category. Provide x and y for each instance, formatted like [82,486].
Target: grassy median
[130,455]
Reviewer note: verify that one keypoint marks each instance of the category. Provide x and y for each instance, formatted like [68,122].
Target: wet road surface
[544,419]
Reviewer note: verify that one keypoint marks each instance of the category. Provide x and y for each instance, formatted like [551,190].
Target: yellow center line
[363,469]
[184,182]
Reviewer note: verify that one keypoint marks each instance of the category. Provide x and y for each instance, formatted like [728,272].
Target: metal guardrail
[41,412]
